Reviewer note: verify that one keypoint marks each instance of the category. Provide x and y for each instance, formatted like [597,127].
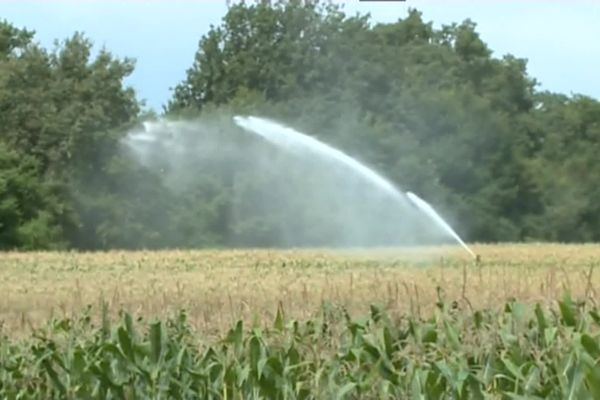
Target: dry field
[219,287]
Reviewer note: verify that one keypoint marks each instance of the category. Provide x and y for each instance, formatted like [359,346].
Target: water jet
[431,213]
[295,141]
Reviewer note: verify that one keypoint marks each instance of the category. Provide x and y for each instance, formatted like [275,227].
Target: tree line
[431,108]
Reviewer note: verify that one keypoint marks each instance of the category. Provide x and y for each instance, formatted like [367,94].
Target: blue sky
[560,39]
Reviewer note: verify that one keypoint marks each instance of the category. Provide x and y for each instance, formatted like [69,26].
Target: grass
[218,288]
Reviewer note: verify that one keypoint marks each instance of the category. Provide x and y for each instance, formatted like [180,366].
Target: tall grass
[524,351]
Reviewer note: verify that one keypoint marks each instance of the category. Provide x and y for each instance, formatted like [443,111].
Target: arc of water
[290,138]
[431,213]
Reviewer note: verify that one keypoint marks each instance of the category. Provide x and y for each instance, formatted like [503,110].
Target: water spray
[293,140]
[429,211]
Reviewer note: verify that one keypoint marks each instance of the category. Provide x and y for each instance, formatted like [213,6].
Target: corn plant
[520,352]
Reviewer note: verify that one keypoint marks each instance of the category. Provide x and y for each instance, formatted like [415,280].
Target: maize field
[305,324]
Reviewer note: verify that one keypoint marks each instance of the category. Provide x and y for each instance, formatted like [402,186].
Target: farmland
[217,288]
[302,324]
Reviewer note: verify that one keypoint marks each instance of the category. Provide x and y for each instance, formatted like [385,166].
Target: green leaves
[451,355]
[62,116]
[156,342]
[345,390]
[568,311]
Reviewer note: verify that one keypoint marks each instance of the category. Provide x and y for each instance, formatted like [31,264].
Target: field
[415,323]
[219,287]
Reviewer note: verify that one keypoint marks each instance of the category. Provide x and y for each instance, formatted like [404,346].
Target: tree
[430,108]
[567,131]
[62,115]
[29,210]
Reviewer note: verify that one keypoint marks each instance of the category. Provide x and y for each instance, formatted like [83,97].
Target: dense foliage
[517,353]
[430,108]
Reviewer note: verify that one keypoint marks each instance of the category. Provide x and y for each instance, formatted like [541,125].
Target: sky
[560,39]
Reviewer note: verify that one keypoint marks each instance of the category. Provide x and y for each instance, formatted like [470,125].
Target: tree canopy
[430,108]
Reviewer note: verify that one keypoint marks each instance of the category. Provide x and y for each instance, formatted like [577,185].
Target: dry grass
[217,287]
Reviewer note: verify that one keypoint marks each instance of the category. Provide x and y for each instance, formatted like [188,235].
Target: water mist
[287,190]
